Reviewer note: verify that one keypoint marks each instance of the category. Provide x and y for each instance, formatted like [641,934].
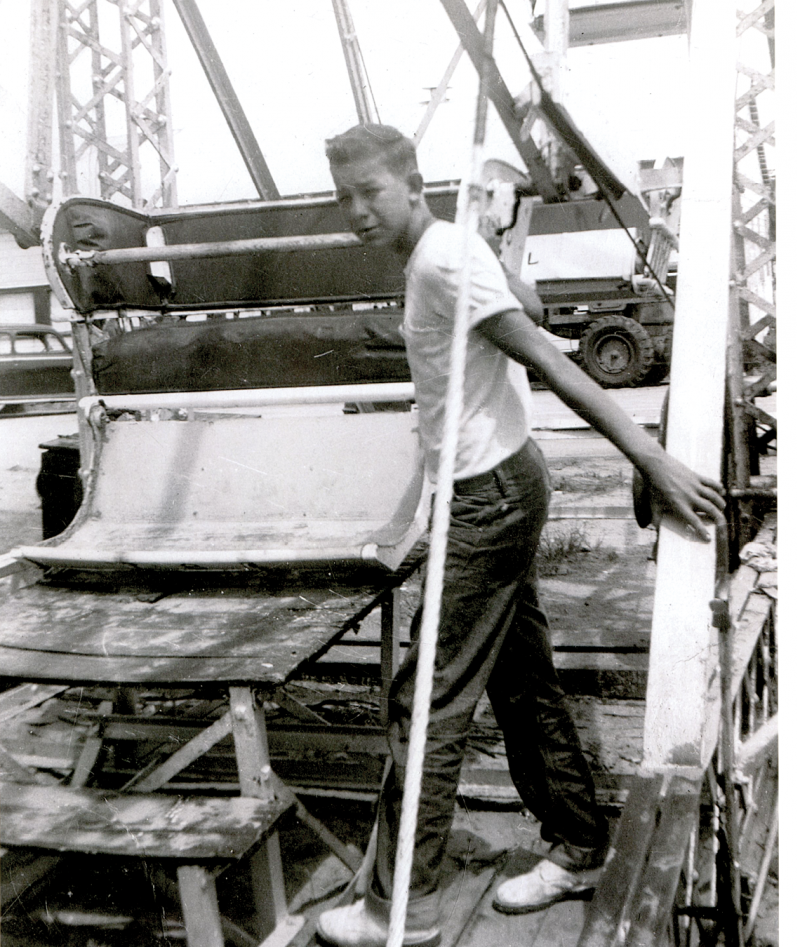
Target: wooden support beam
[200,909]
[610,909]
[758,747]
[186,755]
[297,709]
[191,829]
[682,695]
[256,779]
[390,647]
[17,700]
[655,894]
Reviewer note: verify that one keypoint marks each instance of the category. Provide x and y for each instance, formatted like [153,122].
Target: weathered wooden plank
[755,827]
[611,734]
[257,780]
[199,744]
[566,633]
[654,896]
[184,670]
[623,870]
[42,754]
[746,633]
[461,896]
[13,769]
[742,584]
[87,760]
[562,924]
[17,700]
[60,818]
[109,628]
[601,661]
[758,747]
[595,673]
[488,927]
[286,932]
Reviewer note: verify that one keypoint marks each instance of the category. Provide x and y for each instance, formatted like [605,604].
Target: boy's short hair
[369,141]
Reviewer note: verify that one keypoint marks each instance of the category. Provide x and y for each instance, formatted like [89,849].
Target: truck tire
[616,351]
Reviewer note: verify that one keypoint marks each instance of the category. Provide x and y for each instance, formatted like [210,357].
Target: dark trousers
[493,636]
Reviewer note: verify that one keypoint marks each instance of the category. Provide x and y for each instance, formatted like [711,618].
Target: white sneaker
[547,884]
[353,925]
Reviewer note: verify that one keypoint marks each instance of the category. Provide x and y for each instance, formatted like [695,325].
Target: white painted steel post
[683,685]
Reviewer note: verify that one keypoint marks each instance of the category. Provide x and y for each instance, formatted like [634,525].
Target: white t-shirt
[495,421]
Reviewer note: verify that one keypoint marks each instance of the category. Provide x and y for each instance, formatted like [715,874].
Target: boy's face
[377,203]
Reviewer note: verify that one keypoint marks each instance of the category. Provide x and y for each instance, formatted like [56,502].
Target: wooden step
[65,819]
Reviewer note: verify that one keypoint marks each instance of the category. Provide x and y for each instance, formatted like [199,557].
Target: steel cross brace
[498,92]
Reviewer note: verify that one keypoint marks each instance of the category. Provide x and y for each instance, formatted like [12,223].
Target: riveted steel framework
[116,139]
[752,361]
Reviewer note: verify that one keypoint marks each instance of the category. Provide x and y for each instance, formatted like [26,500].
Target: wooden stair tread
[93,821]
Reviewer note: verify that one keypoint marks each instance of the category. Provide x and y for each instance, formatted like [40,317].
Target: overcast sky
[285,61]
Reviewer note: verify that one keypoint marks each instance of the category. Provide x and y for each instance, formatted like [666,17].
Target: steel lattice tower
[115,126]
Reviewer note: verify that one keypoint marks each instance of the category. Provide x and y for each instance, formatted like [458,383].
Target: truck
[610,288]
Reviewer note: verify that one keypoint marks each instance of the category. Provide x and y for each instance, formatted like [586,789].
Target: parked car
[35,365]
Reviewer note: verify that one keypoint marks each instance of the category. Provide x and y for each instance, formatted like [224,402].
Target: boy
[492,634]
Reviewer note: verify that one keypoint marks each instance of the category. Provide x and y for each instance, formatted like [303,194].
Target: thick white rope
[433,583]
[468,217]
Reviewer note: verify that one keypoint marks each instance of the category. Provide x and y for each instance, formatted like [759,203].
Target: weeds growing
[560,543]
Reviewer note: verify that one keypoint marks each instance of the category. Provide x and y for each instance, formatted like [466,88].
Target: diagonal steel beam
[18,218]
[438,95]
[502,99]
[228,100]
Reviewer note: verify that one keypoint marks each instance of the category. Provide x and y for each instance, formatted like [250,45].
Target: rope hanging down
[470,204]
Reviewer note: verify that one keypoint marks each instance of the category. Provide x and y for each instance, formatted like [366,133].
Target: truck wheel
[616,351]
[658,372]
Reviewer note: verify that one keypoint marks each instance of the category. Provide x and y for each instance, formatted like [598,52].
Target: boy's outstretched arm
[681,492]
[528,297]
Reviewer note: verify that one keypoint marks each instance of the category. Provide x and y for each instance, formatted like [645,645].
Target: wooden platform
[174,628]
